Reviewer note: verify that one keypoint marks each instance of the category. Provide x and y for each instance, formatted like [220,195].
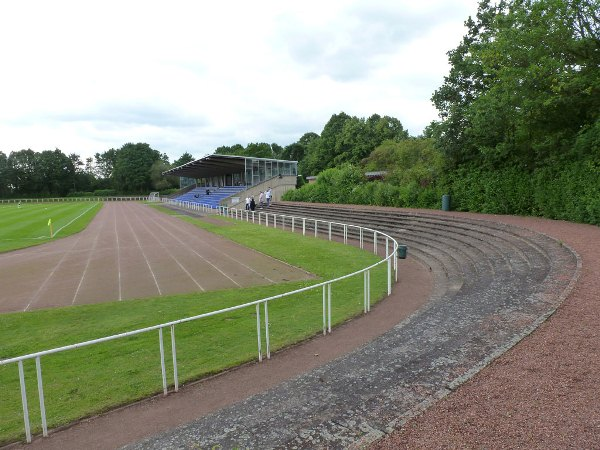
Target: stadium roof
[214,165]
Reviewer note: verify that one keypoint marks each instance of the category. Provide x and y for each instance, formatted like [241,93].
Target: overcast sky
[87,76]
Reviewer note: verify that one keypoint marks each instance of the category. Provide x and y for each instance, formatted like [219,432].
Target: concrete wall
[279,186]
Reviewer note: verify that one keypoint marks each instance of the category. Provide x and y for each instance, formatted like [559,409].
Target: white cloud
[190,76]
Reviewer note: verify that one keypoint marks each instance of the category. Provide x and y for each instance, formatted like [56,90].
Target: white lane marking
[144,254]
[186,246]
[87,264]
[118,255]
[172,256]
[218,250]
[34,299]
[83,213]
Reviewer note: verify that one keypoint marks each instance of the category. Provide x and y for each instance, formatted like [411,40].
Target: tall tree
[105,163]
[183,159]
[131,173]
[524,81]
[55,174]
[22,166]
[5,188]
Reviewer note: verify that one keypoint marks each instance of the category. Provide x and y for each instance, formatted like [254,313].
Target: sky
[190,76]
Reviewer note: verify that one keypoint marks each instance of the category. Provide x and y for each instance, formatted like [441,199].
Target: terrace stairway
[493,285]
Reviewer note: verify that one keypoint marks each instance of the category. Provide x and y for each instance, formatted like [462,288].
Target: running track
[131,251]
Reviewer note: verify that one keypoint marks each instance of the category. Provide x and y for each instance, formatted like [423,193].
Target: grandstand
[230,178]
[214,198]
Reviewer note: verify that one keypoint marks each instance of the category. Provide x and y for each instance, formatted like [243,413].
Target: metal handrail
[112,198]
[232,213]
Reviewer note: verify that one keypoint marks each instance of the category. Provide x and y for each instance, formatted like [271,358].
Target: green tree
[346,139]
[55,173]
[5,189]
[131,173]
[523,83]
[22,166]
[183,159]
[236,149]
[297,150]
[105,163]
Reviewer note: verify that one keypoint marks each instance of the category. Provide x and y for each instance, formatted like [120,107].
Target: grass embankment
[27,225]
[86,381]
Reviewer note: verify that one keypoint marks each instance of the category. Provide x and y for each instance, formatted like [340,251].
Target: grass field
[87,381]
[27,225]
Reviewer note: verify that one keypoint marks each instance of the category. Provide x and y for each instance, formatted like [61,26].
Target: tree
[259,150]
[297,150]
[348,139]
[5,189]
[183,159]
[105,163]
[236,149]
[55,174]
[159,181]
[523,82]
[131,173]
[22,172]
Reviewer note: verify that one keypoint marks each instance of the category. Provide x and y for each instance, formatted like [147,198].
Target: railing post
[162,361]
[345,234]
[395,251]
[389,275]
[267,331]
[316,227]
[362,244]
[375,242]
[329,307]
[324,309]
[329,230]
[365,292]
[292,224]
[174,353]
[368,290]
[38,369]
[258,330]
[303,227]
[24,402]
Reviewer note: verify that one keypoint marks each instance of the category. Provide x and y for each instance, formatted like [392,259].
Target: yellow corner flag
[50,225]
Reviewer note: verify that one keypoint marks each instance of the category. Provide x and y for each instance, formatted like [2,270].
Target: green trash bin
[401,251]
[445,202]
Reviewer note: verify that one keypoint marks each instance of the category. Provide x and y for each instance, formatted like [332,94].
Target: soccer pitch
[33,223]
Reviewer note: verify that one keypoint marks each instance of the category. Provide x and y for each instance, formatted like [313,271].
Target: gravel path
[543,392]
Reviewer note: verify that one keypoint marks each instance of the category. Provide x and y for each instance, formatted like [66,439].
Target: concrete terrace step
[494,284]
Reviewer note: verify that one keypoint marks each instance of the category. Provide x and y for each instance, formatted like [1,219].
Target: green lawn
[86,381]
[27,225]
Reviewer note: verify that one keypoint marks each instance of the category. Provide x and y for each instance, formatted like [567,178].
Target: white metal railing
[113,198]
[256,217]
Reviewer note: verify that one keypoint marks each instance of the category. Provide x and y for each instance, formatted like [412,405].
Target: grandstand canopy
[234,170]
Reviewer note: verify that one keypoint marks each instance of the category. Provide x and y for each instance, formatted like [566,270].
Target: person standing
[268,196]
[252,204]
[261,199]
[247,203]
